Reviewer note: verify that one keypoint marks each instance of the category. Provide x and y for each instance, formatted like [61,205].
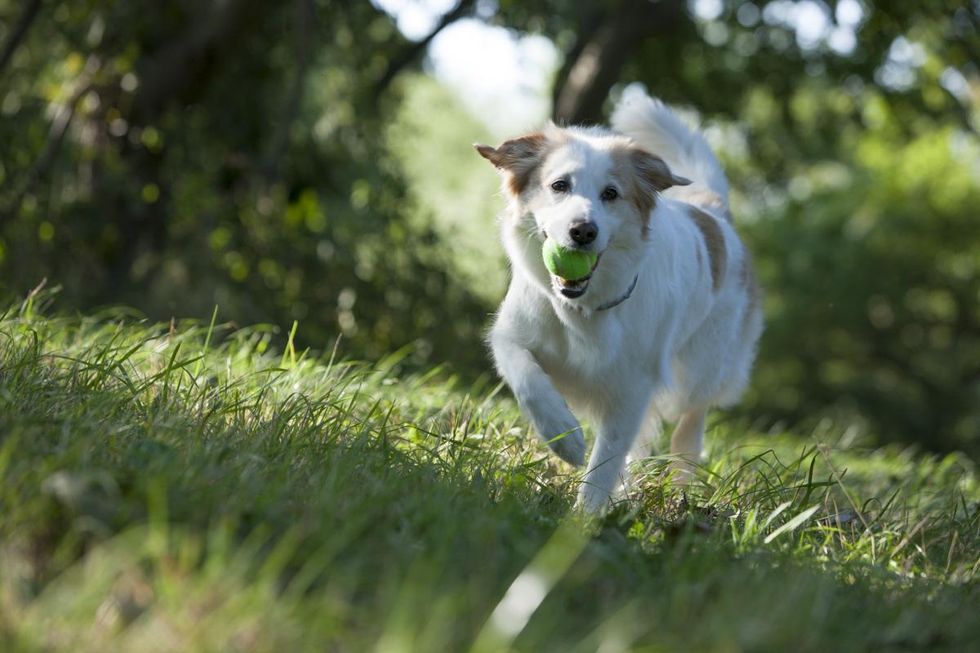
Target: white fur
[676,347]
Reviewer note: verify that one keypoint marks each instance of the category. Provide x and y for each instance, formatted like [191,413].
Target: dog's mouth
[570,289]
[574,288]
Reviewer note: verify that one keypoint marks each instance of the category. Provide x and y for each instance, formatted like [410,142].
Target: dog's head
[587,189]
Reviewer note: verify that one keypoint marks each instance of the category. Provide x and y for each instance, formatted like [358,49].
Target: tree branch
[17,34]
[56,135]
[414,51]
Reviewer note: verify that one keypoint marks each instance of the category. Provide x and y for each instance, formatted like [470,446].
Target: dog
[667,323]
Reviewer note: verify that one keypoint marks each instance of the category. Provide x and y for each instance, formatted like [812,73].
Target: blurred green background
[310,161]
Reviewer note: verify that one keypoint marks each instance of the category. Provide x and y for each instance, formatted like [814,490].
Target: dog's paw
[559,429]
[593,500]
[570,446]
[682,472]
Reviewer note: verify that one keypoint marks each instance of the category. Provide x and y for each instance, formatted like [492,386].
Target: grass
[184,488]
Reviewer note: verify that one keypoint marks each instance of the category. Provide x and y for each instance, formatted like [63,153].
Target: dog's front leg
[618,424]
[539,400]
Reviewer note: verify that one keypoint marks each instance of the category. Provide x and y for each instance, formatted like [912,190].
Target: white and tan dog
[667,324]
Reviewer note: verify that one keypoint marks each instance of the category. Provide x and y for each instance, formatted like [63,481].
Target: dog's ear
[516,158]
[645,175]
[654,172]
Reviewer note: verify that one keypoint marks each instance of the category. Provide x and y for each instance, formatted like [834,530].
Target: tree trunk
[279,143]
[176,72]
[173,69]
[599,55]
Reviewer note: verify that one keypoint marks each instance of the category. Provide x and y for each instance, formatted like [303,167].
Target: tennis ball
[569,264]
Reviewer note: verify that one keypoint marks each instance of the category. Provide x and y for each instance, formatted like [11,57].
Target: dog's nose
[583,233]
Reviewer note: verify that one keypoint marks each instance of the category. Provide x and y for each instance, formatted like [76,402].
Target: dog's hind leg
[646,438]
[686,443]
[649,433]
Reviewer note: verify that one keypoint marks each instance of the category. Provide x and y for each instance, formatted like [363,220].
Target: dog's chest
[581,350]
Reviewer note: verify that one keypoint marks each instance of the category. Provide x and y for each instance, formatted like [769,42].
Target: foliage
[166,487]
[880,260]
[459,203]
[174,194]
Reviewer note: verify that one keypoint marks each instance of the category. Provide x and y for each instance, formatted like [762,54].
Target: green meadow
[187,487]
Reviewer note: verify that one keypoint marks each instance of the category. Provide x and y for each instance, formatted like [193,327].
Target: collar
[622,298]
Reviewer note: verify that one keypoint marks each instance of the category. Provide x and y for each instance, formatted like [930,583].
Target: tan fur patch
[706,199]
[714,241]
[634,189]
[749,282]
[517,159]
[751,285]
[643,175]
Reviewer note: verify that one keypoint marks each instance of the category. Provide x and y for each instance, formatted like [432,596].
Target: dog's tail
[654,127]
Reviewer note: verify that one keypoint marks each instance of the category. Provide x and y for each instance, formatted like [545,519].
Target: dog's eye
[609,194]
[560,186]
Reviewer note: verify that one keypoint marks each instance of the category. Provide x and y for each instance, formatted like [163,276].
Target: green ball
[569,264]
